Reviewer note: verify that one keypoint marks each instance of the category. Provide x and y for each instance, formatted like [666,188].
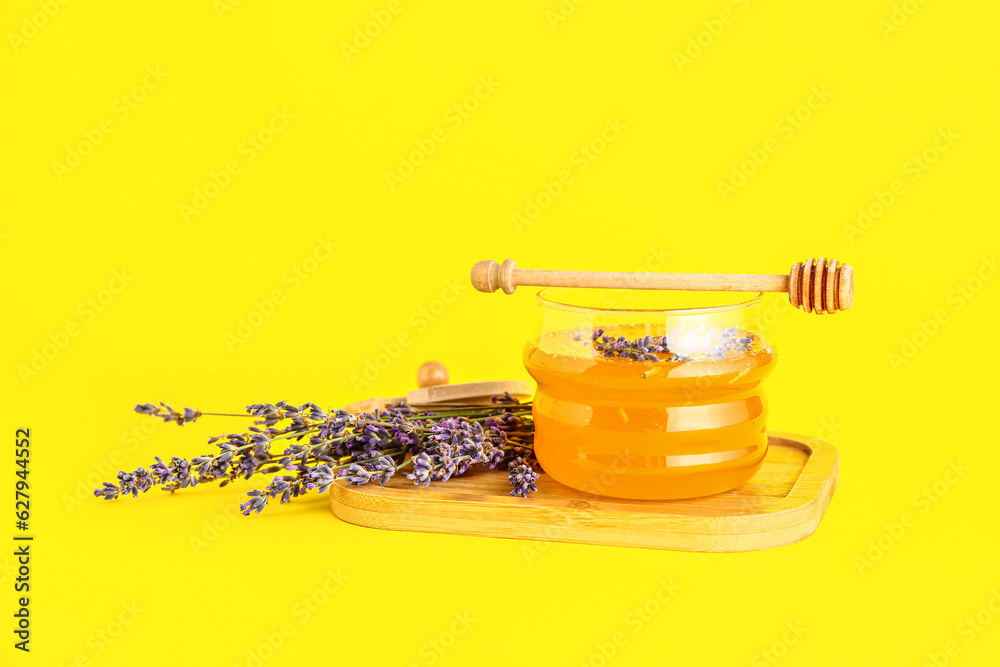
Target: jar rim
[546,301]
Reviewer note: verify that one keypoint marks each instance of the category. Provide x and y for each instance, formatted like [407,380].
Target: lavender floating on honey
[318,447]
[643,348]
[656,348]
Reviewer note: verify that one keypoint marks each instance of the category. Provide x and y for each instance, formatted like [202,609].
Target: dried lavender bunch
[438,441]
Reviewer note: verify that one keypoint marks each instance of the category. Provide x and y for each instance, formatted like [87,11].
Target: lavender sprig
[167,413]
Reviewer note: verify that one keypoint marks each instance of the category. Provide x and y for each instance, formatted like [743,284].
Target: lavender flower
[473,449]
[108,491]
[287,486]
[256,503]
[384,468]
[143,480]
[445,467]
[506,399]
[494,457]
[505,422]
[167,413]
[160,472]
[371,466]
[522,477]
[319,478]
[127,484]
[422,467]
[357,474]
[642,348]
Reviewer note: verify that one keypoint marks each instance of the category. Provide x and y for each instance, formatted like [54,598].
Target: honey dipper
[815,286]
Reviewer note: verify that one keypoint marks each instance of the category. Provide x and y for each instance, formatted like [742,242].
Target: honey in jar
[649,403]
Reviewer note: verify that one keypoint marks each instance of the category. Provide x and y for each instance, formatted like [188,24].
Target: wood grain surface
[783,503]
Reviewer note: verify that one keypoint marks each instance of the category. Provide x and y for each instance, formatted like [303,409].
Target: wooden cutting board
[783,503]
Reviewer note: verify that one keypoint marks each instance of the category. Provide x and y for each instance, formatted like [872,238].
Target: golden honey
[650,429]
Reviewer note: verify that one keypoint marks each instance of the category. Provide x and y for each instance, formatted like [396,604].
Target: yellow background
[204,595]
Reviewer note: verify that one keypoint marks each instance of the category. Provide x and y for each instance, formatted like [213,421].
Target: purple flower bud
[522,477]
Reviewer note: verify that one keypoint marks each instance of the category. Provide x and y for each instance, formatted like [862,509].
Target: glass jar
[642,396]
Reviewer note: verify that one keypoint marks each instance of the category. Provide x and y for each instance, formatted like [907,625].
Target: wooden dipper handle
[815,286]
